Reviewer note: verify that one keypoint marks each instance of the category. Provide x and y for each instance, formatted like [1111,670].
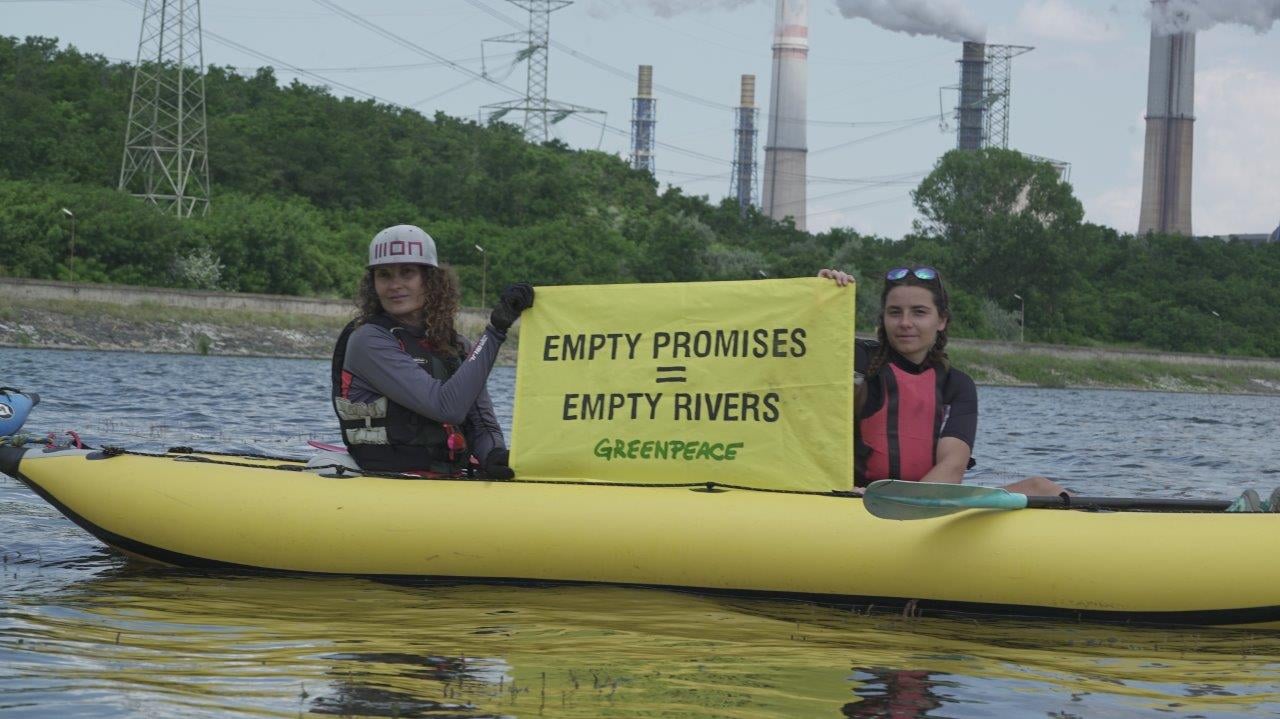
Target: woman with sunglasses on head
[916,415]
[409,391]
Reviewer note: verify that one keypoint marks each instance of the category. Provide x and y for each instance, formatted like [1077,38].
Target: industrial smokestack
[973,100]
[1166,165]
[743,181]
[644,81]
[785,152]
[643,120]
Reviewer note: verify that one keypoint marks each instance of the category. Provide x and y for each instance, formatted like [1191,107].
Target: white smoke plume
[947,19]
[1176,16]
[661,8]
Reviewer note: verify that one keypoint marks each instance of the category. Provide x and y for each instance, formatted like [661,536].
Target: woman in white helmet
[409,391]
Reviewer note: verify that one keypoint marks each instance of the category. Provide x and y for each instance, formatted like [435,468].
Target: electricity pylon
[539,112]
[166,147]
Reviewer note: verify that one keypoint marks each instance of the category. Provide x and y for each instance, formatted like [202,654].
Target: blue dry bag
[14,408]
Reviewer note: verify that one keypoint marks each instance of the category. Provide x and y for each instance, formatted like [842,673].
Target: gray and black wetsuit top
[403,406]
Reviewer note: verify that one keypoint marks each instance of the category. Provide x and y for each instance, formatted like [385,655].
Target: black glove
[514,299]
[495,465]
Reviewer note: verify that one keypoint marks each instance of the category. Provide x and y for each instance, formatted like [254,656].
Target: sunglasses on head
[921,273]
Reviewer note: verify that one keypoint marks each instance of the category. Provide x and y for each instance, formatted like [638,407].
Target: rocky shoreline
[168,330]
[52,329]
[75,325]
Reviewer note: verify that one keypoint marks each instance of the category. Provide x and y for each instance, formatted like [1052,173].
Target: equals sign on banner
[668,374]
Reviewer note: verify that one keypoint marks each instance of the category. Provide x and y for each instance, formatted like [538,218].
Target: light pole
[72,215]
[484,274]
[1022,317]
[1219,323]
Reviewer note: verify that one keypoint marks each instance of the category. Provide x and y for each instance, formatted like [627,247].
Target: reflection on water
[886,692]
[83,633]
[131,641]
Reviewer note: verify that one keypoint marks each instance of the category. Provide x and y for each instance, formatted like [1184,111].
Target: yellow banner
[747,383]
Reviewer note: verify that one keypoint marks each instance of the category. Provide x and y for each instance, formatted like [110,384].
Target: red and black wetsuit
[909,408]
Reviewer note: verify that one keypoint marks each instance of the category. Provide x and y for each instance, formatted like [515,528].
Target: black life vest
[384,436]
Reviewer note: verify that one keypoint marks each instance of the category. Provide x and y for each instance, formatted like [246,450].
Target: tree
[1009,224]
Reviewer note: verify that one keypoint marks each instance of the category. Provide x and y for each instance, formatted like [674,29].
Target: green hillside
[302,179]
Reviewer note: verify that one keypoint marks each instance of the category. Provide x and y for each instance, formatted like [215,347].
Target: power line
[560,108]
[440,94]
[380,68]
[412,46]
[278,62]
[861,205]
[868,186]
[600,64]
[626,75]
[674,148]
[899,177]
[690,97]
[915,123]
[604,126]
[513,23]
[695,177]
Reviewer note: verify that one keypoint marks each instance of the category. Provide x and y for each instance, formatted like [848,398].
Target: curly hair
[441,288]
[938,352]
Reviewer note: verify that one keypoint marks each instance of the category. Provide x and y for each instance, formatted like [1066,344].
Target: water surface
[85,634]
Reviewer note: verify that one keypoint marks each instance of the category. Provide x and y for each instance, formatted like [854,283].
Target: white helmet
[402,243]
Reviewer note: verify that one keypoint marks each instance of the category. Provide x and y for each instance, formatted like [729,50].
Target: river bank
[148,327]
[151,327]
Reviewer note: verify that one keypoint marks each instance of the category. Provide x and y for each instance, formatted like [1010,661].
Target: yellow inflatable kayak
[207,510]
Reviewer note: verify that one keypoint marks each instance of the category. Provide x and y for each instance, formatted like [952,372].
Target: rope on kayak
[187,454]
[18,440]
[75,439]
[52,439]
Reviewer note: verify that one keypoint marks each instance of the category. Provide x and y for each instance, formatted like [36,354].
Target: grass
[1048,370]
[155,312]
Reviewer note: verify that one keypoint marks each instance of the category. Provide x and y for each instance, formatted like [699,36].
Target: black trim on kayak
[10,457]
[906,606]
[1141,504]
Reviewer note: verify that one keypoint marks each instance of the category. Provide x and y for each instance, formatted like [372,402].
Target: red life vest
[903,433]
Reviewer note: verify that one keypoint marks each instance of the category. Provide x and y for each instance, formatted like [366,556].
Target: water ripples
[84,633]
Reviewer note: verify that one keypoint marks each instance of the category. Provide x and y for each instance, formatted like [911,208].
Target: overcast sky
[874,94]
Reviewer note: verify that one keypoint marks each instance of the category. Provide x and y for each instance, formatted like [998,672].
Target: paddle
[895,499]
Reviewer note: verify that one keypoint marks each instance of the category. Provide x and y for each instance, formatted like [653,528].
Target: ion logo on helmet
[402,244]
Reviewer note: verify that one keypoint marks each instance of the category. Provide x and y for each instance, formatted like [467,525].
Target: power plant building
[643,120]
[786,148]
[1166,165]
[744,179]
[971,134]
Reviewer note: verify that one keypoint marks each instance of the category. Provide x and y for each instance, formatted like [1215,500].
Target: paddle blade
[895,499]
